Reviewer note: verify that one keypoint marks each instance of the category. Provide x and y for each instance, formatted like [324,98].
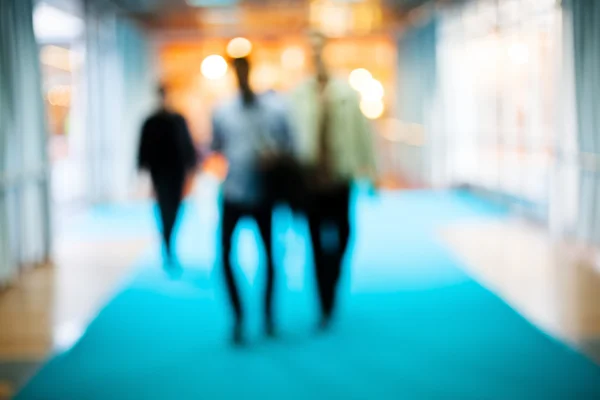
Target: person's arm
[143,157]
[366,150]
[189,149]
[217,142]
[288,137]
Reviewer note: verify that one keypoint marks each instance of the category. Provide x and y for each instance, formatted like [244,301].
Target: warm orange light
[60,96]
[56,57]
[336,18]
[372,90]
[265,76]
[359,79]
[214,67]
[239,47]
[292,58]
[372,109]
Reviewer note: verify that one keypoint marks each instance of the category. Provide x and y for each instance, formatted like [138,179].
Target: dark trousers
[262,214]
[331,207]
[169,193]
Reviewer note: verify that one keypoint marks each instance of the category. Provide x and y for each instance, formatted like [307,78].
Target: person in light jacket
[245,129]
[335,139]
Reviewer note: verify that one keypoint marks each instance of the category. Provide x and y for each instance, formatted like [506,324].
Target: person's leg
[164,210]
[264,220]
[315,223]
[168,213]
[340,215]
[168,190]
[170,221]
[230,218]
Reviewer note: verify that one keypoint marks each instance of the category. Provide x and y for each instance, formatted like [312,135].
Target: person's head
[242,68]
[318,41]
[162,94]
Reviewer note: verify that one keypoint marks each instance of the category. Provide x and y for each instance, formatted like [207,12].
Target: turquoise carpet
[412,325]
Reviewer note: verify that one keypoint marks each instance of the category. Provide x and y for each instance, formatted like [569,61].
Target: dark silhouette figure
[246,130]
[167,152]
[331,207]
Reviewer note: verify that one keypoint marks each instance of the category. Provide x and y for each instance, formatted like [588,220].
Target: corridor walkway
[413,324]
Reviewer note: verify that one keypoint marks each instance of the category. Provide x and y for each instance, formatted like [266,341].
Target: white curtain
[498,89]
[417,83]
[564,193]
[120,81]
[582,30]
[24,204]
[139,98]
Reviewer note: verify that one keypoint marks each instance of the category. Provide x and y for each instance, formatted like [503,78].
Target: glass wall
[499,70]
[98,85]
[59,33]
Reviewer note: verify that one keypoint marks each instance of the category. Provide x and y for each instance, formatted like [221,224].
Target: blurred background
[496,100]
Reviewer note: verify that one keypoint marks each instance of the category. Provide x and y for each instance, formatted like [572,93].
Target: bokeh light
[372,109]
[292,58]
[239,47]
[372,90]
[214,67]
[59,96]
[265,76]
[359,78]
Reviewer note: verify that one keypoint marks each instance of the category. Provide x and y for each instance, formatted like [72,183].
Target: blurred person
[167,152]
[246,130]
[334,140]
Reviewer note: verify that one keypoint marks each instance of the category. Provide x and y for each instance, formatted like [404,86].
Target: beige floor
[551,283]
[49,307]
[5,391]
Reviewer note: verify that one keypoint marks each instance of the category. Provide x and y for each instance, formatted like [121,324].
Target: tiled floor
[550,283]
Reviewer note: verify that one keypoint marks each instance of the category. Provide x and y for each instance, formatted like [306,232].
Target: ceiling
[161,6]
[230,17]
[148,6]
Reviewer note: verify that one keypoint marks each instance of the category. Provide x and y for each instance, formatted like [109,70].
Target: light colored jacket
[351,134]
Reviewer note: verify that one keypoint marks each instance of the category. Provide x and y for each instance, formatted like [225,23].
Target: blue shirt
[242,133]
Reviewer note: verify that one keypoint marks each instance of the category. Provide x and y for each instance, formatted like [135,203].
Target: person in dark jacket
[167,152]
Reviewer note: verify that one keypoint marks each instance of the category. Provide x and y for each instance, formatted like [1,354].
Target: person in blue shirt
[246,130]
